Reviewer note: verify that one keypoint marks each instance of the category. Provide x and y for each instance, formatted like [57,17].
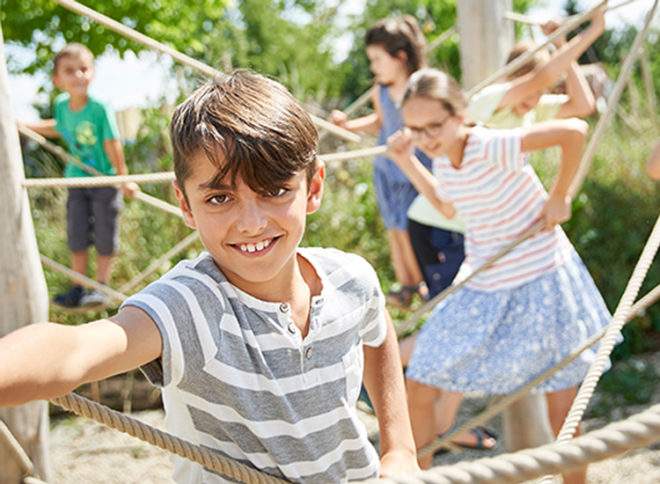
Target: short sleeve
[549,106]
[505,149]
[107,123]
[483,104]
[440,192]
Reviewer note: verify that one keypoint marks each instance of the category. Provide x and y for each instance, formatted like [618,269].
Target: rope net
[614,439]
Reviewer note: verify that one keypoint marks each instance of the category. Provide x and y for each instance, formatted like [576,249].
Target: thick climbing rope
[98,181]
[15,447]
[614,439]
[181,58]
[157,264]
[66,156]
[583,167]
[609,340]
[175,445]
[82,279]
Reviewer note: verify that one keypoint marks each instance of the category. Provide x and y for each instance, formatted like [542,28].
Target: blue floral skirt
[496,342]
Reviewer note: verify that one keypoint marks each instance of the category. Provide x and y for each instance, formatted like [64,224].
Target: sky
[145,80]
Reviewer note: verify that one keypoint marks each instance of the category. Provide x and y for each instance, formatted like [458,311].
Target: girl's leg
[421,402]
[559,404]
[406,268]
[406,346]
[446,408]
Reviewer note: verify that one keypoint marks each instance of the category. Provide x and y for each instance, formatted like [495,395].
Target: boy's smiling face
[74,73]
[253,237]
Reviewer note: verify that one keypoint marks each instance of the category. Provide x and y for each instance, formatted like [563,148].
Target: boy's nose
[251,218]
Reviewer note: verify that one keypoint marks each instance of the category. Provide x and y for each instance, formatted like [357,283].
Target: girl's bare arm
[570,136]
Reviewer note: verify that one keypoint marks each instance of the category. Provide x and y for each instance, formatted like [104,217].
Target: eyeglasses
[431,130]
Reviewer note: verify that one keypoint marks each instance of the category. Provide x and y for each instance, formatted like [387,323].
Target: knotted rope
[175,445]
[637,431]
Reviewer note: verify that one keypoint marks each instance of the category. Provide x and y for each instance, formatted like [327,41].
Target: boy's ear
[56,81]
[188,217]
[402,56]
[315,192]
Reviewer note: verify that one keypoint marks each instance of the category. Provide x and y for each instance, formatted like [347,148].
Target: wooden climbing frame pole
[23,292]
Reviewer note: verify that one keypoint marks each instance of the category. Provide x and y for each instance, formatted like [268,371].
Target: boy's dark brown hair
[71,50]
[248,126]
[396,34]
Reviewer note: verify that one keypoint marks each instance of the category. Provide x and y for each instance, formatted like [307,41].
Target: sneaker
[94,298]
[70,299]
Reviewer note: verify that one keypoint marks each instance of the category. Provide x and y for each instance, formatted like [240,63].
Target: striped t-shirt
[500,197]
[239,379]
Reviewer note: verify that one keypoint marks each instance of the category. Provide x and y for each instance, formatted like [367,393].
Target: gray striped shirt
[239,379]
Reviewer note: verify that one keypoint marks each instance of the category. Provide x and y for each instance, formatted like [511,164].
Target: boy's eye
[218,199]
[278,192]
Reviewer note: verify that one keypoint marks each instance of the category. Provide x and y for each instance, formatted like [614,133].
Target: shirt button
[308,353]
[284,307]
[291,328]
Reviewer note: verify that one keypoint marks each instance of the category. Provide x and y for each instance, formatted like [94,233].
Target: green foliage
[626,383]
[44,25]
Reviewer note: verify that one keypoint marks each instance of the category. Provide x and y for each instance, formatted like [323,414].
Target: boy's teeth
[254,247]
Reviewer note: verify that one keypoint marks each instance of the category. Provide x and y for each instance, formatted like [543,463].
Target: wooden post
[486,38]
[23,293]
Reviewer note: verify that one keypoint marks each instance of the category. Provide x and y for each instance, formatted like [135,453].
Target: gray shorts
[92,217]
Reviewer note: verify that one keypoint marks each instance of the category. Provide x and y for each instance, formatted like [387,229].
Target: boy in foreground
[257,343]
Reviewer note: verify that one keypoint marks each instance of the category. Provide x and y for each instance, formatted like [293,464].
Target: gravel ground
[83,451]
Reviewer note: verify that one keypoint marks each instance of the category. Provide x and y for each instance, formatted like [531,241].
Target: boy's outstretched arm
[547,74]
[45,127]
[384,381]
[46,360]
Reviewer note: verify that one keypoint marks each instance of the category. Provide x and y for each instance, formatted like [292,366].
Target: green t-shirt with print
[84,132]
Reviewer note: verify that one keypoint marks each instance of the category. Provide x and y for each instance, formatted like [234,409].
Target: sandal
[481,433]
[401,298]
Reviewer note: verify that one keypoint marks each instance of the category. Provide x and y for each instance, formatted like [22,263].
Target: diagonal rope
[15,447]
[614,439]
[512,66]
[82,279]
[163,440]
[155,265]
[609,340]
[178,56]
[518,17]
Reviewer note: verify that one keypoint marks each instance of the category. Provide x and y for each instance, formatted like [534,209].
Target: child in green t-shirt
[90,131]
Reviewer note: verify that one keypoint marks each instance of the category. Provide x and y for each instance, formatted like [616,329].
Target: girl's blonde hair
[396,34]
[436,85]
[538,59]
